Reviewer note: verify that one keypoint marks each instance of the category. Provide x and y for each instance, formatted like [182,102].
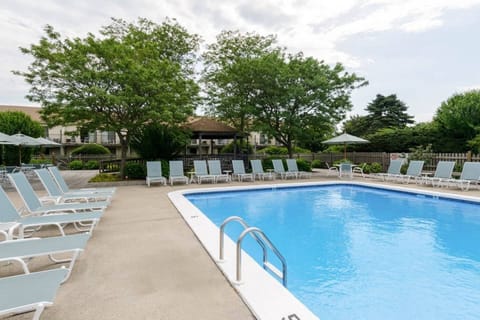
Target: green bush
[91,165]
[75,165]
[90,148]
[303,165]
[135,171]
[40,161]
[105,177]
[373,167]
[244,147]
[318,164]
[274,150]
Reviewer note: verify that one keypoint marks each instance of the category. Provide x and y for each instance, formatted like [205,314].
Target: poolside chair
[201,172]
[443,172]
[9,214]
[57,175]
[470,174]
[25,249]
[239,171]
[29,292]
[257,170]
[215,169]
[154,173]
[292,166]
[414,171]
[345,170]
[359,170]
[176,172]
[7,229]
[393,170]
[279,170]
[58,196]
[331,169]
[34,205]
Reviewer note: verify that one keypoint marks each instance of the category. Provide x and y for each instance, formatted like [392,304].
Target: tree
[387,112]
[357,125]
[131,75]
[458,119]
[12,122]
[227,77]
[293,94]
[158,141]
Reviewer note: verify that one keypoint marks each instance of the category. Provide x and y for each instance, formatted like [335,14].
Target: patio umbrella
[47,143]
[20,139]
[6,139]
[345,139]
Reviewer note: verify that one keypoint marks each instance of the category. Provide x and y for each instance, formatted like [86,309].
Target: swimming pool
[357,252]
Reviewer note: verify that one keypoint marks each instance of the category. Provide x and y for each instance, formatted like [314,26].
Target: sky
[424,51]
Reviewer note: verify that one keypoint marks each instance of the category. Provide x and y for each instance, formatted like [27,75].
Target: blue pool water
[357,252]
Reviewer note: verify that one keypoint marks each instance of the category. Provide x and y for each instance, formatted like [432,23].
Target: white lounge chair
[9,214]
[443,172]
[176,172]
[470,175]
[414,171]
[215,169]
[331,169]
[24,249]
[239,171]
[58,196]
[292,166]
[7,229]
[29,292]
[257,170]
[201,172]
[279,169]
[34,205]
[393,170]
[57,175]
[154,173]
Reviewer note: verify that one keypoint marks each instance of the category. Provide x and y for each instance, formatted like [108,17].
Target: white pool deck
[144,261]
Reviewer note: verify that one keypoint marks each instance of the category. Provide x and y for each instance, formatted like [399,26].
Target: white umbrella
[6,139]
[47,143]
[345,139]
[20,139]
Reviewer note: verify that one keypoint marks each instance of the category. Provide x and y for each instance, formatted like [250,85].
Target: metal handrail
[261,239]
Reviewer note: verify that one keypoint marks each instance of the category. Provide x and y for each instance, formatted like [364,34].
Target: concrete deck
[143,262]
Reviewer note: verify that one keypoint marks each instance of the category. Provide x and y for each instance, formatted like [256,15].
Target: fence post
[469,155]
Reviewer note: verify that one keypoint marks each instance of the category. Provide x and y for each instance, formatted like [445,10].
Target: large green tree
[458,119]
[12,122]
[129,75]
[227,76]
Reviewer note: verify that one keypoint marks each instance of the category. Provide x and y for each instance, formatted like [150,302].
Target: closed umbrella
[345,139]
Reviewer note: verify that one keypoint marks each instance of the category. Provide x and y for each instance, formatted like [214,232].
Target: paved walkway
[143,262]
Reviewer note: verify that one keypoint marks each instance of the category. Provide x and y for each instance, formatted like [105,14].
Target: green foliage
[158,141]
[474,144]
[373,167]
[458,120]
[105,177]
[242,147]
[117,79]
[91,165]
[40,161]
[317,164]
[90,148]
[421,153]
[12,122]
[75,165]
[135,170]
[272,150]
[303,165]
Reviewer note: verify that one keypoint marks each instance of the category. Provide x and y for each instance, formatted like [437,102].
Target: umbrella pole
[345,151]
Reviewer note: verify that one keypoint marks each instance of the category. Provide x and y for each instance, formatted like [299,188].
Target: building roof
[33,112]
[210,129]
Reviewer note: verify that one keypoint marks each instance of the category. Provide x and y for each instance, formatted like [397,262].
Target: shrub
[274,150]
[373,167]
[75,165]
[303,165]
[105,177]
[244,147]
[40,161]
[90,148]
[317,164]
[135,171]
[91,165]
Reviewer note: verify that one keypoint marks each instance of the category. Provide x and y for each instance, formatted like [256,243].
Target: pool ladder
[262,240]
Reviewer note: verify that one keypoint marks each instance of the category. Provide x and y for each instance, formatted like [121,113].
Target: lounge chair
[24,249]
[154,173]
[331,169]
[414,171]
[470,174]
[442,173]
[393,170]
[345,170]
[239,171]
[359,170]
[176,172]
[29,292]
[34,205]
[9,214]
[201,172]
[292,166]
[57,175]
[280,170]
[257,170]
[58,196]
[7,229]
[215,169]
